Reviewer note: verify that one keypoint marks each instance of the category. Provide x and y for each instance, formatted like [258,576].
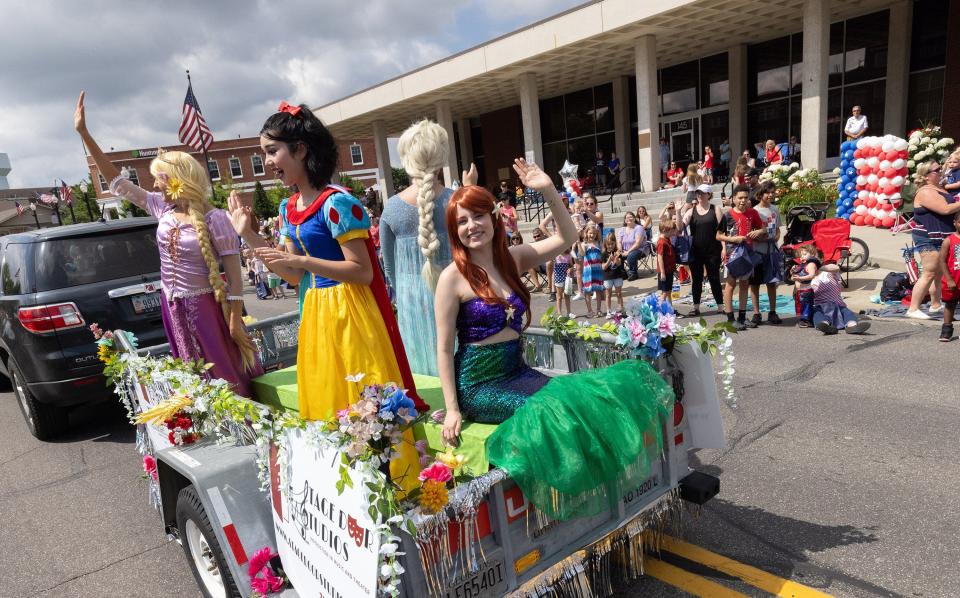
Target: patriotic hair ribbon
[291,110]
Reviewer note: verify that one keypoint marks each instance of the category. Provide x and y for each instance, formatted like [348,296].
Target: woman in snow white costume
[347,326]
[565,439]
[202,317]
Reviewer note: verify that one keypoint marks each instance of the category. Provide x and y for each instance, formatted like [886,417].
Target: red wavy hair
[479,200]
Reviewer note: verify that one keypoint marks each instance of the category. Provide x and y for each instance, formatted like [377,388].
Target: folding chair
[648,259]
[832,238]
[532,284]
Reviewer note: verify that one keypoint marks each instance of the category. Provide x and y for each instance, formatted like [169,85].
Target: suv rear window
[83,260]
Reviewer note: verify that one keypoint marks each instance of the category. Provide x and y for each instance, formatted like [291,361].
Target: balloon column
[568,174]
[872,173]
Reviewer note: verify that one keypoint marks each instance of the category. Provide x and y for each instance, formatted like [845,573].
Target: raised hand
[531,175]
[80,117]
[241,216]
[469,177]
[239,200]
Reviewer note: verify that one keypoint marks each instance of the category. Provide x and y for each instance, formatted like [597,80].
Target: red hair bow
[291,110]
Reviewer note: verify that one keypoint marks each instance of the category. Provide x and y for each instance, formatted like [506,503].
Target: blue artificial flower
[666,308]
[653,348]
[623,335]
[396,401]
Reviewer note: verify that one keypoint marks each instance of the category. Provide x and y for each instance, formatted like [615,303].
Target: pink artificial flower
[438,472]
[637,332]
[267,584]
[421,446]
[424,461]
[259,560]
[667,324]
[95,329]
[343,413]
[438,416]
[150,466]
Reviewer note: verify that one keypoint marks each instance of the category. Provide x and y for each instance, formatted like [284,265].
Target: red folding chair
[832,238]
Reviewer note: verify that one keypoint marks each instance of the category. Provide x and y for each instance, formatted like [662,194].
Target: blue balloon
[844,164]
[848,154]
[848,202]
[851,173]
[850,187]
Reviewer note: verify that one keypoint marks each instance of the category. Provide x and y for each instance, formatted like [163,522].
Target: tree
[276,195]
[131,209]
[401,180]
[262,206]
[356,187]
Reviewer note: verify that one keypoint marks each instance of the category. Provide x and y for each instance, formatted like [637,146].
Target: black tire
[44,421]
[859,255]
[190,512]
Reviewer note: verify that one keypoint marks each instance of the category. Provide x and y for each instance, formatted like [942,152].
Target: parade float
[267,503]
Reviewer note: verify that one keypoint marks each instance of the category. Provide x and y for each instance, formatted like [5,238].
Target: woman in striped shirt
[830,313]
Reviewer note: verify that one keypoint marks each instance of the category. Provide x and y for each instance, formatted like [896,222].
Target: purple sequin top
[478,320]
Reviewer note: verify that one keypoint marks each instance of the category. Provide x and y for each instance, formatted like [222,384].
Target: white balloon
[861,209]
[872,179]
[884,164]
[863,194]
[883,181]
[898,164]
[873,162]
[859,163]
[895,197]
[886,146]
[861,143]
[897,181]
[861,180]
[881,197]
[900,145]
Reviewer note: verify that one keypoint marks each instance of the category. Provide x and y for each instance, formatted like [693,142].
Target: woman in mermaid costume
[563,440]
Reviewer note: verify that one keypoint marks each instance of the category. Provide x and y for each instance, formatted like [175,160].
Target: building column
[384,173]
[645,65]
[813,109]
[530,115]
[621,123]
[445,120]
[466,143]
[898,68]
[737,69]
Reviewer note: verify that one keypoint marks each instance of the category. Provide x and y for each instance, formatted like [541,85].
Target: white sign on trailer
[327,542]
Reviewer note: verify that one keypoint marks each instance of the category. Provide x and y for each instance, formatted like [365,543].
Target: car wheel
[202,549]
[44,421]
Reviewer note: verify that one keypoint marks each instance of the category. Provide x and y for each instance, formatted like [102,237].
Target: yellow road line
[686,581]
[767,582]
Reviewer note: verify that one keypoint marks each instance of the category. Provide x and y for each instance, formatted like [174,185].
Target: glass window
[767,120]
[214,170]
[553,156]
[582,152]
[552,127]
[15,268]
[579,113]
[715,128]
[835,63]
[257,163]
[680,85]
[356,154]
[132,175]
[928,44]
[84,260]
[836,120]
[607,144]
[925,99]
[865,47]
[796,63]
[476,141]
[795,107]
[714,82]
[603,107]
[235,170]
[769,66]
[104,187]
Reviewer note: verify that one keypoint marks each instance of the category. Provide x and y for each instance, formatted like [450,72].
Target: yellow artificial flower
[104,353]
[174,188]
[164,410]
[451,460]
[433,496]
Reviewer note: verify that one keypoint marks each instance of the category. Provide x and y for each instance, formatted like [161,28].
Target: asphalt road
[840,473]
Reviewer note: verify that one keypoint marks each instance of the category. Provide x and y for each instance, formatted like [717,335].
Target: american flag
[66,193]
[19,208]
[193,129]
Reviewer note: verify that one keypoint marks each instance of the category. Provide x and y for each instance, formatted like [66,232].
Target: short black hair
[306,129]
[754,172]
[740,188]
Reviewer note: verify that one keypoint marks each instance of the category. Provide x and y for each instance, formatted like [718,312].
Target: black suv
[54,283]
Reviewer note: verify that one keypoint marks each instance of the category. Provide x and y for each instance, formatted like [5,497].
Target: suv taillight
[49,318]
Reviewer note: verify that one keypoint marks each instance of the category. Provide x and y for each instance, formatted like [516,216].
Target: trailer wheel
[202,549]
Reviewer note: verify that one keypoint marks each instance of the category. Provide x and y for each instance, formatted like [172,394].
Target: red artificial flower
[150,466]
[170,438]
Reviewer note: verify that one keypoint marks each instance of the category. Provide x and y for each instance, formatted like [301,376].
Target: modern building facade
[618,75]
[239,163]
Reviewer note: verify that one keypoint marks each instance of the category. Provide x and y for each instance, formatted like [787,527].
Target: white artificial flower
[924,140]
[795,186]
[836,171]
[388,549]
[949,141]
[794,166]
[386,571]
[911,164]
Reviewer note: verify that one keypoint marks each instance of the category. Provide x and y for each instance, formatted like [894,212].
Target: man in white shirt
[856,125]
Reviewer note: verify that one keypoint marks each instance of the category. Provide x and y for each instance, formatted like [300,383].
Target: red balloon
[896,204]
[887,222]
[857,153]
[903,154]
[889,189]
[892,155]
[856,219]
[857,202]
[864,171]
[872,202]
[890,173]
[903,171]
[868,220]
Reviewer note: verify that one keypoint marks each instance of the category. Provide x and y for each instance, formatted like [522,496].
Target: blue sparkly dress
[402,263]
[567,441]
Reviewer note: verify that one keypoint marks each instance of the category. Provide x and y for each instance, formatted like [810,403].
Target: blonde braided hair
[195,189]
[424,148]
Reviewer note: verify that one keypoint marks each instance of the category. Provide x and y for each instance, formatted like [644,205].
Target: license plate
[488,581]
[146,303]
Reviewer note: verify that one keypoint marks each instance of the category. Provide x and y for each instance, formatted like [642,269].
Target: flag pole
[203,146]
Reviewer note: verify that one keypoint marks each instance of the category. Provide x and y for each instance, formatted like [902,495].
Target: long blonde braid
[423,149]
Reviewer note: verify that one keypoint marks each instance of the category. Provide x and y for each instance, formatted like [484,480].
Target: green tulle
[583,438]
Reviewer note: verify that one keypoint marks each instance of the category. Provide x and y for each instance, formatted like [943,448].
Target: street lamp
[83,189]
[33,208]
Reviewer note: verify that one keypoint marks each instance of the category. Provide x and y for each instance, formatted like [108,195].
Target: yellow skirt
[341,334]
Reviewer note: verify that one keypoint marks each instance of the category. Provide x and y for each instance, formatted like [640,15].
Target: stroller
[832,238]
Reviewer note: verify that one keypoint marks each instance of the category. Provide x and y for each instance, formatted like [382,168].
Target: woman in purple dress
[202,315]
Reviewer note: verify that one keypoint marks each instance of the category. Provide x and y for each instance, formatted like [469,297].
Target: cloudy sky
[245,56]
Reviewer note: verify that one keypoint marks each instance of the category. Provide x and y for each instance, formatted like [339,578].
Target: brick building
[239,163]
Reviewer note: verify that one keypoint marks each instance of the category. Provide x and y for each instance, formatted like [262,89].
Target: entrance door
[682,148]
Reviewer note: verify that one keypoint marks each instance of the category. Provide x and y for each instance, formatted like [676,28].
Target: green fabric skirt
[584,436]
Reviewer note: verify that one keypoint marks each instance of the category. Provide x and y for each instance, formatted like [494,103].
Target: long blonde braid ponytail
[424,148]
